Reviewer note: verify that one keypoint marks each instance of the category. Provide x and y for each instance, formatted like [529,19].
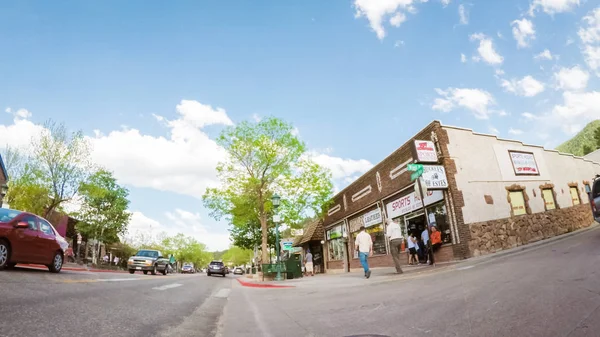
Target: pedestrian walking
[116,260]
[395,234]
[364,246]
[308,263]
[425,241]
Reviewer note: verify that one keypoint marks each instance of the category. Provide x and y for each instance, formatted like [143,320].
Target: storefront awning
[314,232]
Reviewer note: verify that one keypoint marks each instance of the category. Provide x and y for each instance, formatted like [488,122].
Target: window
[378,237]
[517,202]
[46,227]
[574,195]
[548,196]
[7,215]
[437,218]
[31,221]
[335,243]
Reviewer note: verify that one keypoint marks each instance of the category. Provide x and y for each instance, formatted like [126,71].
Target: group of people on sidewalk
[420,249]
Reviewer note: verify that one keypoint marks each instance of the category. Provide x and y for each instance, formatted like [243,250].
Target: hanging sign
[425,151]
[434,177]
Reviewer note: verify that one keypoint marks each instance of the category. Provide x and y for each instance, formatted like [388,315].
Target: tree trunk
[265,236]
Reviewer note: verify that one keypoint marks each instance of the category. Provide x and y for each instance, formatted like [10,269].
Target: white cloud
[445,2]
[493,130]
[463,15]
[527,86]
[184,162]
[499,72]
[591,32]
[523,32]
[475,100]
[341,168]
[19,113]
[515,132]
[376,11]
[463,58]
[545,55]
[571,79]
[591,55]
[486,49]
[553,6]
[397,19]
[577,109]
[529,116]
[398,43]
[178,221]
[256,118]
[20,133]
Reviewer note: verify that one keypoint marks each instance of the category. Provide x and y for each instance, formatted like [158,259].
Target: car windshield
[7,215]
[216,263]
[147,253]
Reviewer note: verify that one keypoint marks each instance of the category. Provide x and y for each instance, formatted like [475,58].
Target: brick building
[496,194]
[3,179]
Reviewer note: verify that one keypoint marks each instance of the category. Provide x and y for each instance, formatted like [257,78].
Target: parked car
[148,260]
[28,238]
[216,267]
[238,271]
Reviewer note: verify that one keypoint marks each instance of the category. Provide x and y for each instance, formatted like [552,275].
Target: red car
[28,238]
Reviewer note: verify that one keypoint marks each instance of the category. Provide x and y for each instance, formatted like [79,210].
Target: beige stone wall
[496,235]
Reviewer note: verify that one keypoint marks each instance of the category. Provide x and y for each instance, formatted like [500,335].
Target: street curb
[42,267]
[261,285]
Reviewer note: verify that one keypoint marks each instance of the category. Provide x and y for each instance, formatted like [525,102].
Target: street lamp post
[276,199]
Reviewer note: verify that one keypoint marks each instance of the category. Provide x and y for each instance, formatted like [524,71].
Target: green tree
[597,137]
[27,192]
[186,249]
[237,256]
[587,149]
[266,158]
[63,161]
[103,215]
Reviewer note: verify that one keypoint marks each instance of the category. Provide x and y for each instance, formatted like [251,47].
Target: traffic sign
[414,167]
[416,174]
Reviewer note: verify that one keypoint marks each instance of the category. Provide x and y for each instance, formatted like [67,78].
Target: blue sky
[153,82]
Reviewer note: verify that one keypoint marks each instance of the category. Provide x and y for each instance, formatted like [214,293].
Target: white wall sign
[523,163]
[425,151]
[297,232]
[411,202]
[372,218]
[435,177]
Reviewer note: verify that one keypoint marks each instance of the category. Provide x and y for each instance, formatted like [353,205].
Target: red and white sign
[524,163]
[411,202]
[425,151]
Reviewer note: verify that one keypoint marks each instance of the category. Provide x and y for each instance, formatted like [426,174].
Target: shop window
[377,235]
[575,195]
[437,218]
[335,243]
[517,202]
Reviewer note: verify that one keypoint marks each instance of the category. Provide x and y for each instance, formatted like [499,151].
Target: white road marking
[465,268]
[117,279]
[223,293]
[168,286]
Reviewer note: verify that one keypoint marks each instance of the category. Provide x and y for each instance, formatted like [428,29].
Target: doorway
[416,225]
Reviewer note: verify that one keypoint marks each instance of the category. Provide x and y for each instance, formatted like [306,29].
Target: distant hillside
[584,137]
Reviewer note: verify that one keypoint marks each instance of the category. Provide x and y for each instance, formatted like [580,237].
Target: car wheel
[164,272]
[153,272]
[57,263]
[208,274]
[131,271]
[4,254]
[145,272]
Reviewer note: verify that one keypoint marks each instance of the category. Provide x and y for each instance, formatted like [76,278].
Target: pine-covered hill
[584,137]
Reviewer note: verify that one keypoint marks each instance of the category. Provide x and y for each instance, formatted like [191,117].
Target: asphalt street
[38,303]
[550,290]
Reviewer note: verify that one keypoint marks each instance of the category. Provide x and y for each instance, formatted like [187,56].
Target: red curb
[259,285]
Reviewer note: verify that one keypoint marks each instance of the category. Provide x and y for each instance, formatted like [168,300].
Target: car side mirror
[22,224]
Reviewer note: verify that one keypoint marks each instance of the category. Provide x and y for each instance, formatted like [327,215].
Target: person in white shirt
[425,240]
[412,249]
[395,234]
[364,246]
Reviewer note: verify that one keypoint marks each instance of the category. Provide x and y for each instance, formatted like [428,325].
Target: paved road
[38,303]
[553,290]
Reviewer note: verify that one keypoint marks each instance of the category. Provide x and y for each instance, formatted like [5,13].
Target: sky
[152,83]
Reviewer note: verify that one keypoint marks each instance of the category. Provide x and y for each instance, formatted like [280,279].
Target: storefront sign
[355,224]
[425,151]
[411,202]
[523,163]
[435,177]
[297,232]
[286,244]
[334,233]
[372,218]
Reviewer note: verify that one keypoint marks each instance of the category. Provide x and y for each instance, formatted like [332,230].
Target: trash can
[294,268]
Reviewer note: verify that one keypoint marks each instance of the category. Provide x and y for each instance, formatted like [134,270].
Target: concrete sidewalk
[388,274]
